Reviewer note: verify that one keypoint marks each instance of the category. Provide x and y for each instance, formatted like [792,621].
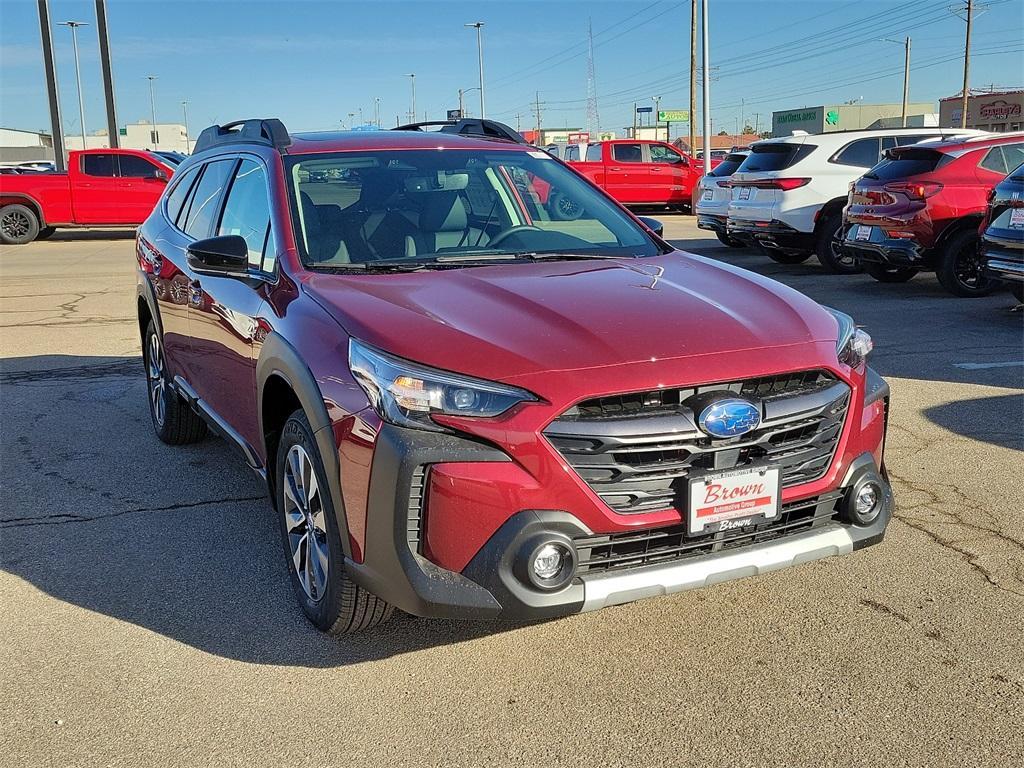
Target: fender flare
[279,358]
[21,198]
[144,290]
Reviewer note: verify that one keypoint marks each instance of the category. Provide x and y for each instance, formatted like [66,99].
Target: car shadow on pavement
[73,235]
[996,420]
[181,541]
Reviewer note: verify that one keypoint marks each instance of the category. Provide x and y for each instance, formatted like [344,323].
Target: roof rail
[269,131]
[476,127]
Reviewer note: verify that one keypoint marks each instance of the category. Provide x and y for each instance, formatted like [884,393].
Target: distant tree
[723,133]
[748,128]
[766,134]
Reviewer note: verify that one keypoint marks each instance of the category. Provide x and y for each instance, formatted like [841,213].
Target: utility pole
[906,80]
[152,110]
[757,123]
[184,112]
[657,120]
[634,121]
[479,25]
[707,86]
[462,103]
[519,123]
[967,64]
[538,116]
[108,76]
[376,111]
[50,68]
[412,83]
[693,76]
[593,120]
[74,25]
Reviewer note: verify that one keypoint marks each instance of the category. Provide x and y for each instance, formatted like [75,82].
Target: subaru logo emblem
[729,418]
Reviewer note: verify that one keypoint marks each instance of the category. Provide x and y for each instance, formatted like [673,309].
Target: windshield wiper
[375,266]
[567,256]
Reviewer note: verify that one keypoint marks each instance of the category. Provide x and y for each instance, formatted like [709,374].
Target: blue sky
[313,63]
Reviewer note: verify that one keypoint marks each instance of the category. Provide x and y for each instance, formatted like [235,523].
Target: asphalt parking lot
[147,619]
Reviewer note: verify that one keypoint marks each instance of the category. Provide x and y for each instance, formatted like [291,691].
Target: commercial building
[18,146]
[140,135]
[846,117]
[998,111]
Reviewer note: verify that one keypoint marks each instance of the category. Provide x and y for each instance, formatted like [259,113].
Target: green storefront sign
[673,116]
[797,117]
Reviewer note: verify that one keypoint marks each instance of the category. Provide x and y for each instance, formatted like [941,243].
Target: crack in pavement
[64,518]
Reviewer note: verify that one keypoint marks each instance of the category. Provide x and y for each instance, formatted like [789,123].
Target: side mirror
[653,224]
[227,255]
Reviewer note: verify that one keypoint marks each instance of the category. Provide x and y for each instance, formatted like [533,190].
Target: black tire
[828,248]
[45,232]
[18,224]
[174,421]
[1017,289]
[884,273]
[959,267]
[730,241]
[335,604]
[785,257]
[564,208]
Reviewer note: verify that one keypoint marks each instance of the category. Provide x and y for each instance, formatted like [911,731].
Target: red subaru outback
[464,405]
[920,209]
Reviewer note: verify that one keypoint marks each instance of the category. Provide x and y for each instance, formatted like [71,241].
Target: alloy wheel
[305,523]
[15,224]
[155,379]
[968,270]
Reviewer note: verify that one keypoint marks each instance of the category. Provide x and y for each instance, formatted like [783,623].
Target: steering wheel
[502,236]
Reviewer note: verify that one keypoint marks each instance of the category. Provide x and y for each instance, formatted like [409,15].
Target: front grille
[659,545]
[638,451]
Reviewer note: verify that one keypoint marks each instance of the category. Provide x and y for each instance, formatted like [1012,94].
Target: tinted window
[98,165]
[994,161]
[594,153]
[663,154]
[862,153]
[905,163]
[1013,154]
[572,153]
[179,192]
[728,166]
[627,153]
[771,157]
[904,140]
[138,167]
[247,210]
[206,199]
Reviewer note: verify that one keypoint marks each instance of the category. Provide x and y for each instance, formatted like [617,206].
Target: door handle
[655,170]
[615,169]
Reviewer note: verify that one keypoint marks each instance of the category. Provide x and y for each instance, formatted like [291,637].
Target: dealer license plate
[863,233]
[744,193]
[734,499]
[708,194]
[1017,217]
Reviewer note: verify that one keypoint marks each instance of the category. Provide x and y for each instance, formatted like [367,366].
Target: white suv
[711,197]
[789,193]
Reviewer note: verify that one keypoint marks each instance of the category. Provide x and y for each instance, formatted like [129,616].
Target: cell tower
[593,121]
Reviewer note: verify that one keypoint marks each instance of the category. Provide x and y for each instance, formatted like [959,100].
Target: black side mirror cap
[653,224]
[224,255]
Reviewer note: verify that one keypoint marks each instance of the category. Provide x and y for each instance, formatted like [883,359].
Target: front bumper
[771,234]
[397,567]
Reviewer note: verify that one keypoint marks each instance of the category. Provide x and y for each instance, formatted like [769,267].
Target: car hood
[505,321]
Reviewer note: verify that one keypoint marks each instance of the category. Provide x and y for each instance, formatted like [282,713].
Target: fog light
[547,561]
[867,497]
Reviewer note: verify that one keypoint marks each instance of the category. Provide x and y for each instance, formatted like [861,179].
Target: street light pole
[412,82]
[78,73]
[152,110]
[480,57]
[706,86]
[376,111]
[184,111]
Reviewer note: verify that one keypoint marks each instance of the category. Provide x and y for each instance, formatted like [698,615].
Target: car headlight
[853,344]
[408,394]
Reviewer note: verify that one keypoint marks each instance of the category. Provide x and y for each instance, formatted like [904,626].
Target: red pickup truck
[103,187]
[637,172]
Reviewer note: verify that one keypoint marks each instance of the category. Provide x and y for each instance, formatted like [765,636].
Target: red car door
[142,183]
[96,189]
[626,175]
[669,178]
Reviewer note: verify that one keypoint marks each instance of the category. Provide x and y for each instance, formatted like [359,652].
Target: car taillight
[899,234]
[783,184]
[915,190]
[724,183]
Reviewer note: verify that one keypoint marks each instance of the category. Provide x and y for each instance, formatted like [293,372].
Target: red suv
[466,406]
[920,209]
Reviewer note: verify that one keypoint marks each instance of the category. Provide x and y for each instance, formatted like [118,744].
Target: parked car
[921,207]
[789,193]
[457,401]
[712,198]
[103,187]
[174,158]
[641,173]
[1002,239]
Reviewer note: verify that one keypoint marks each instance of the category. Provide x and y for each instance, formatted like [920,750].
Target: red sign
[999,110]
[579,138]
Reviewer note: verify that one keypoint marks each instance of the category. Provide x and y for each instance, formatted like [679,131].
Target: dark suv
[466,406]
[1002,233]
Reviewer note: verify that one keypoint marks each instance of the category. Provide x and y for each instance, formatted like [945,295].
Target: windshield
[728,166]
[445,206]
